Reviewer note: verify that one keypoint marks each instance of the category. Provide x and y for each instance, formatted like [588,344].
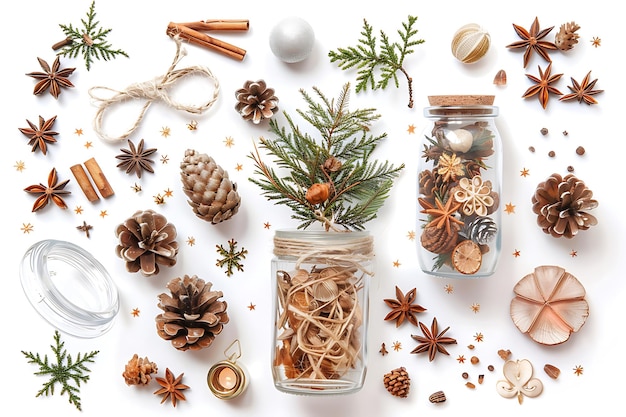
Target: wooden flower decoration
[549,305]
[519,381]
[475,196]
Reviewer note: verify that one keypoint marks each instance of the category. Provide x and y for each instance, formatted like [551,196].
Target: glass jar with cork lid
[459,185]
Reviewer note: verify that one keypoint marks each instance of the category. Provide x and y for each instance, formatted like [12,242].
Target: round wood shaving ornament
[470,43]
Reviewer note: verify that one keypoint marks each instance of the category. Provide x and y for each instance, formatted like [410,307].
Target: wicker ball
[470,43]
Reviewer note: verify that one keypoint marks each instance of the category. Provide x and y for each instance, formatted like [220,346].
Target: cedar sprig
[367,58]
[359,185]
[64,372]
[90,41]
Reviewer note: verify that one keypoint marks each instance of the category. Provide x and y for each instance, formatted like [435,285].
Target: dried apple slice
[549,305]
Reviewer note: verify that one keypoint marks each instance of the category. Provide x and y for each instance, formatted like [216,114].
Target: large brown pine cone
[212,196]
[145,241]
[138,370]
[192,315]
[561,206]
[256,102]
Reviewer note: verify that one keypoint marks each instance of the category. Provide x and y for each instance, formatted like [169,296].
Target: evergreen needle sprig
[353,187]
[90,41]
[388,61]
[65,371]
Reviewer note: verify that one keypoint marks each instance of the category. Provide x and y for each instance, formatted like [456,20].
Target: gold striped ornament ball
[470,43]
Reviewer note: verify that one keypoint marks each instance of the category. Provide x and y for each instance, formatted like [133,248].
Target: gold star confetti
[191,240]
[165,131]
[509,208]
[103,213]
[251,307]
[136,187]
[27,228]
[411,129]
[478,337]
[411,235]
[475,307]
[449,288]
[159,199]
[516,253]
[229,142]
[595,41]
[165,159]
[135,312]
[573,253]
[524,172]
[461,359]
[396,263]
[238,167]
[85,228]
[168,193]
[78,132]
[578,370]
[267,225]
[88,145]
[193,125]
[397,346]
[383,349]
[78,210]
[20,166]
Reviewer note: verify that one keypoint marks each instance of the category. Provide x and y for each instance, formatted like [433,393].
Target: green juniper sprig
[366,57]
[65,371]
[90,41]
[353,186]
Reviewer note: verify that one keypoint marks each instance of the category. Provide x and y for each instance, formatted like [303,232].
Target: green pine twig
[67,372]
[90,41]
[387,59]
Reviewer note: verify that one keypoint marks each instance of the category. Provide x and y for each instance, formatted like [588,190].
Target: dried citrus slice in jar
[467,257]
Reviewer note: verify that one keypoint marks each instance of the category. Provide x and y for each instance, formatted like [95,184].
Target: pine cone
[398,382]
[138,370]
[437,240]
[146,240]
[561,206]
[213,197]
[192,315]
[480,229]
[566,37]
[256,102]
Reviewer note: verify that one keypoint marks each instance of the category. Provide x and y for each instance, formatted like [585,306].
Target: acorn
[318,193]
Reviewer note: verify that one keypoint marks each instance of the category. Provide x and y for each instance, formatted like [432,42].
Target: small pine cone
[212,196]
[426,182]
[138,370]
[192,315]
[561,206]
[566,37]
[256,102]
[145,241]
[480,229]
[398,382]
[438,240]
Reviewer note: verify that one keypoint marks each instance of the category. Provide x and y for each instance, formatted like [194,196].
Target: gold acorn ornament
[470,43]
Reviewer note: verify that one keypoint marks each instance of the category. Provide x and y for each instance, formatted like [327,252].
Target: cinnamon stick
[206,41]
[83,181]
[98,178]
[219,25]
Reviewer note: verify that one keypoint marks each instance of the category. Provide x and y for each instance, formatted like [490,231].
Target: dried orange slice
[467,257]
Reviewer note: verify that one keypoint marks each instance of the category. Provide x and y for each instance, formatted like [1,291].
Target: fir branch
[65,371]
[367,57]
[358,186]
[90,41]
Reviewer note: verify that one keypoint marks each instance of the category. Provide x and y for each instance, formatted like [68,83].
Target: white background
[139,29]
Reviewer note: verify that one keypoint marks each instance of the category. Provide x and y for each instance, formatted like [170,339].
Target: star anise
[136,159]
[532,41]
[403,308]
[441,215]
[54,191]
[171,387]
[53,78]
[433,341]
[583,91]
[543,87]
[40,135]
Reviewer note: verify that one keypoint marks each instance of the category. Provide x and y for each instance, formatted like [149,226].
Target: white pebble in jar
[460,140]
[292,39]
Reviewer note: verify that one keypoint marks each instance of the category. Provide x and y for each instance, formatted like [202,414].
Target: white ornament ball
[292,39]
[460,140]
[470,43]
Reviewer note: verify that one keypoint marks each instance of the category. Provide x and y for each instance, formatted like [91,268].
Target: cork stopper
[461,100]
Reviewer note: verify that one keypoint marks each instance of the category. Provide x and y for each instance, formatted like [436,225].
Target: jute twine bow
[153,90]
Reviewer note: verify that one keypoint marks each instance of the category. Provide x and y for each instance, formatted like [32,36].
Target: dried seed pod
[474,360]
[552,371]
[491,368]
[318,193]
[465,375]
[470,385]
[500,78]
[504,354]
[470,43]
[437,397]
[481,378]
